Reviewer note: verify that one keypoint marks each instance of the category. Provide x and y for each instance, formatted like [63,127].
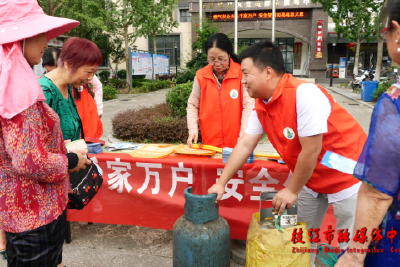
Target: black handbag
[85,185]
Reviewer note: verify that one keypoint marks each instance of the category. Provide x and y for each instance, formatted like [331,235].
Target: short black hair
[221,41]
[50,57]
[265,54]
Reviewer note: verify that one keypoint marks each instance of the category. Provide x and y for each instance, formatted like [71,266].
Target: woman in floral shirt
[34,163]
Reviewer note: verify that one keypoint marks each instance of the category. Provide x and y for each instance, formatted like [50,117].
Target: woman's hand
[193,135]
[82,160]
[67,141]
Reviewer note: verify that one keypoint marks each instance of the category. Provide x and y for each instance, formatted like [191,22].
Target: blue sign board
[343,62]
[161,64]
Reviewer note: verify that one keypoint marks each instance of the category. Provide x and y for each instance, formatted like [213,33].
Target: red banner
[320,39]
[149,192]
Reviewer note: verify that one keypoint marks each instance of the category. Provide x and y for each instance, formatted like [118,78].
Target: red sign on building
[255,15]
[320,39]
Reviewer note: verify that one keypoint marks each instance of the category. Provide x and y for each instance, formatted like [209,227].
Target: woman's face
[35,48]
[393,42]
[82,75]
[218,58]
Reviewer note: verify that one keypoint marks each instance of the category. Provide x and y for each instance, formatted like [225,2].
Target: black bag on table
[85,185]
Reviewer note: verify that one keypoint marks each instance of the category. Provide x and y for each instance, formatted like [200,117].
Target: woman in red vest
[87,110]
[218,101]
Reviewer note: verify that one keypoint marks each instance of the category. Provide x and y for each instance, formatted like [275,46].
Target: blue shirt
[379,166]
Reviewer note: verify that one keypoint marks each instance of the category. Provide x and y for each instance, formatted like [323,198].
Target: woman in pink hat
[34,165]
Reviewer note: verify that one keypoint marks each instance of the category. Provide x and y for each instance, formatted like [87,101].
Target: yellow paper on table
[184,149]
[153,151]
[271,248]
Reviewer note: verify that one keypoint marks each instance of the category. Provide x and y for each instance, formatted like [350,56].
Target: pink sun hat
[21,19]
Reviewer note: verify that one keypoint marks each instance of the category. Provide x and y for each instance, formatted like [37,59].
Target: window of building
[104,64]
[165,46]
[284,44]
[185,15]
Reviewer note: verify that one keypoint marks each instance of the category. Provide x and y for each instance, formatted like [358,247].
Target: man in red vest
[302,121]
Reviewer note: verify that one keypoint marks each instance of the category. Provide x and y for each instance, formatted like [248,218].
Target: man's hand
[192,136]
[284,199]
[351,260]
[82,162]
[217,189]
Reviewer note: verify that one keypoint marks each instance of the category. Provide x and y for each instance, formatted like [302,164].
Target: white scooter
[356,83]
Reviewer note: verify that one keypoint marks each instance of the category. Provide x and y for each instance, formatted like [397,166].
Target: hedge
[177,99]
[153,124]
[109,92]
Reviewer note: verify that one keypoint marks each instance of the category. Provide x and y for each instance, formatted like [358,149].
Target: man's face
[254,79]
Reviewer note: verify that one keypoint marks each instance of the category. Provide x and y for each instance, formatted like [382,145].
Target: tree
[124,17]
[96,21]
[353,20]
[379,28]
[199,60]
[50,6]
[155,17]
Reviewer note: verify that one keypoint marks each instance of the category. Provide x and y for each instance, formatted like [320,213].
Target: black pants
[40,247]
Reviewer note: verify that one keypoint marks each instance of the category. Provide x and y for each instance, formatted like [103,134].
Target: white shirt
[313,110]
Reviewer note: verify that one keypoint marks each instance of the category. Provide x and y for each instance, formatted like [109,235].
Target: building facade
[301,29]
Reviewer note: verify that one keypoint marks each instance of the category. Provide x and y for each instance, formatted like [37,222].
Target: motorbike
[356,82]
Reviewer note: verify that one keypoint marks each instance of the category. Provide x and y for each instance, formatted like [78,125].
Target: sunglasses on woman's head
[385,31]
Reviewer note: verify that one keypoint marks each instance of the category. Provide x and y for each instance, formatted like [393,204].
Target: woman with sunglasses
[218,101]
[378,203]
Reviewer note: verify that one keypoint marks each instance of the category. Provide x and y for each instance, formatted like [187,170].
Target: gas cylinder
[268,216]
[201,238]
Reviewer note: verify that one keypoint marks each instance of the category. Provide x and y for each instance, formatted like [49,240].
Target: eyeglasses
[385,31]
[220,61]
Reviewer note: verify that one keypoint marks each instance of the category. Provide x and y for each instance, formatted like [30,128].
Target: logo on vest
[288,133]
[234,94]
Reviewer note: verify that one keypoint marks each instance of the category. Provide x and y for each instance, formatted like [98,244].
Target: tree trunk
[378,66]
[126,46]
[51,8]
[155,49]
[357,55]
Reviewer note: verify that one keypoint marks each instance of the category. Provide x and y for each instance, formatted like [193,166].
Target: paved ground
[103,245]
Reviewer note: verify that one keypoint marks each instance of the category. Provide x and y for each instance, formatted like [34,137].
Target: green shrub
[104,75]
[109,92]
[382,87]
[137,84]
[154,124]
[177,99]
[138,77]
[150,86]
[117,83]
[185,77]
[121,74]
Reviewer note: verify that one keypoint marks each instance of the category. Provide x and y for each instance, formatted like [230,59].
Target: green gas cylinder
[201,238]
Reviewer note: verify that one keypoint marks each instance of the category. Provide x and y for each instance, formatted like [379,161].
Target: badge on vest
[288,133]
[234,94]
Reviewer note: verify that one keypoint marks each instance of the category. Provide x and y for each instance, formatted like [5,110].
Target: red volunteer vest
[345,136]
[87,110]
[220,111]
